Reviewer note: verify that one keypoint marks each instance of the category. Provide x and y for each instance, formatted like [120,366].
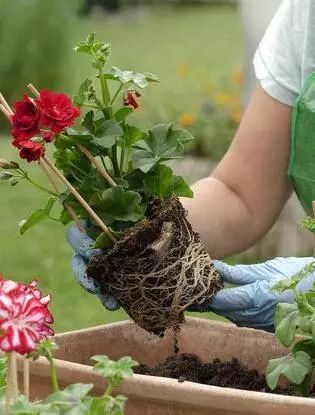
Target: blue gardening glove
[251,303]
[81,244]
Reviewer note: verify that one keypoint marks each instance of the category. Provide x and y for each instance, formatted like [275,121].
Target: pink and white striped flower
[24,316]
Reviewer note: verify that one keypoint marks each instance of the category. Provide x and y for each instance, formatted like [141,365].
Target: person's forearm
[241,201]
[224,222]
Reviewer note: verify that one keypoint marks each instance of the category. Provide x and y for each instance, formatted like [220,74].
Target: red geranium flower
[25,120]
[48,136]
[130,99]
[30,150]
[24,317]
[57,110]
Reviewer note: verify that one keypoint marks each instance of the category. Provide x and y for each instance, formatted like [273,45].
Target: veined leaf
[162,143]
[286,322]
[295,367]
[161,182]
[140,80]
[37,216]
[291,283]
[83,93]
[122,205]
[114,371]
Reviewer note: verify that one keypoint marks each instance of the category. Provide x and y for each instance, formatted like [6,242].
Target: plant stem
[109,390]
[122,158]
[39,186]
[53,373]
[104,88]
[26,377]
[116,94]
[9,385]
[91,106]
[115,160]
[80,199]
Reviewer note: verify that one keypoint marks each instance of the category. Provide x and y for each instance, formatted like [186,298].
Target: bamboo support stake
[33,90]
[313,206]
[84,150]
[80,199]
[5,104]
[5,111]
[51,178]
[14,377]
[96,164]
[26,377]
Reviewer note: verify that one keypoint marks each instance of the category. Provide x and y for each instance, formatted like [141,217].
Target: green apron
[302,158]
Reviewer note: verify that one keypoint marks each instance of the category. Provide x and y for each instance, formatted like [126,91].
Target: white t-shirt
[286,55]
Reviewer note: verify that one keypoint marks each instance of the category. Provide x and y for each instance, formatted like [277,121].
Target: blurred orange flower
[238,77]
[236,115]
[187,120]
[182,70]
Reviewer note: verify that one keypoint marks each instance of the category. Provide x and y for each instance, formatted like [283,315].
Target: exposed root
[159,269]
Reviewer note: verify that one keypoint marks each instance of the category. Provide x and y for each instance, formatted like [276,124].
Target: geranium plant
[25,330]
[116,180]
[295,329]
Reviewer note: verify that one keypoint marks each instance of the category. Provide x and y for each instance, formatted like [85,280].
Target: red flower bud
[48,136]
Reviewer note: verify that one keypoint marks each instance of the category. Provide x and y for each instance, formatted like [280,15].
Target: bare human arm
[241,200]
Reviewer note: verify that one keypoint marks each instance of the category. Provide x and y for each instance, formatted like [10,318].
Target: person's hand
[81,244]
[252,303]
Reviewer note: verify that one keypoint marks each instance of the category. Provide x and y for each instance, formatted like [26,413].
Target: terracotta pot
[160,396]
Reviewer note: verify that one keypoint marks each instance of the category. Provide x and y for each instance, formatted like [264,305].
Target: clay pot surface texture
[149,395]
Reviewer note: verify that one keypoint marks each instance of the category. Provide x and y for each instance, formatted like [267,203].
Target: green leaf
[106,131]
[114,372]
[307,346]
[73,137]
[3,371]
[85,46]
[291,283]
[135,180]
[104,242]
[120,204]
[46,348]
[88,121]
[24,407]
[140,80]
[37,216]
[286,322]
[83,93]
[161,182]
[72,398]
[122,113]
[309,224]
[294,367]
[162,143]
[132,135]
[313,328]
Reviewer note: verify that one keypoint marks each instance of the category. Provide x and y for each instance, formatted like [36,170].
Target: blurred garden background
[196,48]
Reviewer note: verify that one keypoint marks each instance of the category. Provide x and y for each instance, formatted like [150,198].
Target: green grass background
[206,40]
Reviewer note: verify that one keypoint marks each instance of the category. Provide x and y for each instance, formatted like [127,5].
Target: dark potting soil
[232,374]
